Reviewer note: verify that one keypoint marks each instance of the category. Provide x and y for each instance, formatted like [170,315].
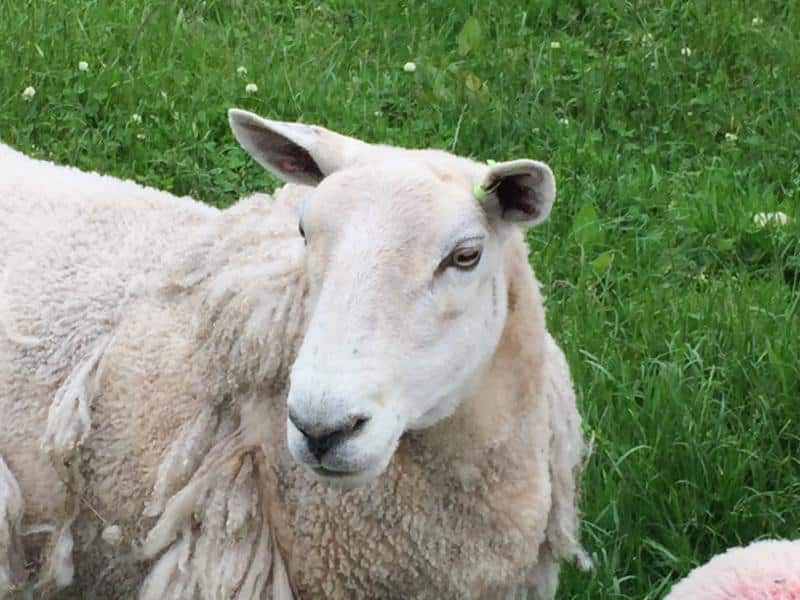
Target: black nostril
[354,424]
[359,423]
[320,439]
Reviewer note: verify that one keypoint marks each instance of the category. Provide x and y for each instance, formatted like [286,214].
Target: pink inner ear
[287,166]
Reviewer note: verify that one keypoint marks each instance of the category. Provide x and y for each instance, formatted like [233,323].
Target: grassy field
[669,126]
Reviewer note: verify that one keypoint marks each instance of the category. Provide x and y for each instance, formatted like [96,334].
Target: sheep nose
[322,437]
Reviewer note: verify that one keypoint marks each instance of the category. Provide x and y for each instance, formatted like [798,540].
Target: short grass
[669,125]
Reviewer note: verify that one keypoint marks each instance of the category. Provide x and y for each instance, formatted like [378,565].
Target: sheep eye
[466,258]
[301,230]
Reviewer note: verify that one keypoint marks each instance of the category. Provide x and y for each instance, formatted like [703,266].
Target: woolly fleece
[145,347]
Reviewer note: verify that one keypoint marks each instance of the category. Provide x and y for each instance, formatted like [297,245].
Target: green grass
[678,314]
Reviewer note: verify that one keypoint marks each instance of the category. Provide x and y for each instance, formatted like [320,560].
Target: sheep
[344,390]
[769,569]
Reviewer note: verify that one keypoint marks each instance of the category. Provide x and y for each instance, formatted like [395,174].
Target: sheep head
[408,293]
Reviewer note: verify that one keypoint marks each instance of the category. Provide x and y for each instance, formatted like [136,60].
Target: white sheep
[146,348]
[765,570]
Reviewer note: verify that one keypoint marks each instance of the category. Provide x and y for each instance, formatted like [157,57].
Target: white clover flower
[251,88]
[28,93]
[686,51]
[409,67]
[242,70]
[83,66]
[378,113]
[139,136]
[564,121]
[731,138]
[555,45]
[770,218]
[136,118]
[757,21]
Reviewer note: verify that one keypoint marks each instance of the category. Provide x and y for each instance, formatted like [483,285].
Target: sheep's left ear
[518,191]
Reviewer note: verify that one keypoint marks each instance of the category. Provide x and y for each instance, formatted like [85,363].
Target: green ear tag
[478,191]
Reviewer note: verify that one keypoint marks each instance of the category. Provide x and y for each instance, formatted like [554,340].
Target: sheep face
[406,280]
[405,266]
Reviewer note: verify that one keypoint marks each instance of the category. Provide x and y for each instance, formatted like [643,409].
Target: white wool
[225,546]
[165,579]
[12,508]
[769,569]
[182,459]
[219,518]
[569,456]
[189,499]
[569,453]
[69,420]
[60,568]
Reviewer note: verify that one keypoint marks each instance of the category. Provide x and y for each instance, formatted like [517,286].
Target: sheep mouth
[330,473]
[341,480]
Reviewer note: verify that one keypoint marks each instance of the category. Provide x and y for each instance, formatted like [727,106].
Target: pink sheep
[766,570]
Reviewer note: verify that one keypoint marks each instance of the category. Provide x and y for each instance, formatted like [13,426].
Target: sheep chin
[343,480]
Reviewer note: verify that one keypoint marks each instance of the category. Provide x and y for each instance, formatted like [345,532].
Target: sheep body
[765,570]
[145,347]
[87,341]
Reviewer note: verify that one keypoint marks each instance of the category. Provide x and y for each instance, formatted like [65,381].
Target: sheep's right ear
[518,191]
[294,152]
